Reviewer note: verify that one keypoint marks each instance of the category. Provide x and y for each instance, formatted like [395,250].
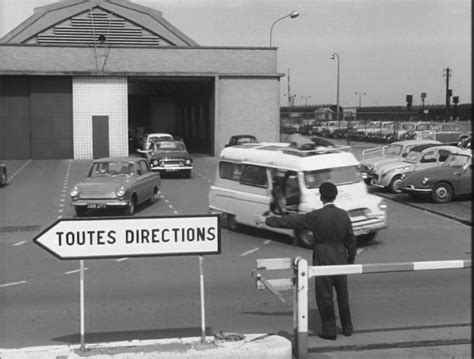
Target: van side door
[255,196]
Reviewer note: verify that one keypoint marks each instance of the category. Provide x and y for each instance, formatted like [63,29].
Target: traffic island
[252,346]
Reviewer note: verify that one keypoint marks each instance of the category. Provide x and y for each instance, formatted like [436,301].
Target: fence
[302,273]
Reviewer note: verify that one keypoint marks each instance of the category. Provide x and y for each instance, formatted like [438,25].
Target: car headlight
[188,161]
[74,192]
[382,206]
[120,192]
[424,181]
[155,162]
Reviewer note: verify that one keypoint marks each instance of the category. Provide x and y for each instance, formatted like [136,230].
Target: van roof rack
[302,152]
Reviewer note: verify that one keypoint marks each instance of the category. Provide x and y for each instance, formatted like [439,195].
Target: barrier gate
[302,273]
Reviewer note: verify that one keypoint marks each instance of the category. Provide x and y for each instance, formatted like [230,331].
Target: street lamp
[306,99]
[360,93]
[336,56]
[291,15]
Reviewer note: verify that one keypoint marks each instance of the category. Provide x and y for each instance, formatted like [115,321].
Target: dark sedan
[240,139]
[442,183]
[169,156]
[3,175]
[116,182]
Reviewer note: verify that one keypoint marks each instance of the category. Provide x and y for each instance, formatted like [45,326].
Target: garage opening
[181,106]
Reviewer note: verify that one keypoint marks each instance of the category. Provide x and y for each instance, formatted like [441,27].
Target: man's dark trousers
[329,254]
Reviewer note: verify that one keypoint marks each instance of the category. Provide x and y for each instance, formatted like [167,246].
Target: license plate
[360,232]
[96,205]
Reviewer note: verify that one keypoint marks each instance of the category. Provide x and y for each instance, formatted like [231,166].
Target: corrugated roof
[99,23]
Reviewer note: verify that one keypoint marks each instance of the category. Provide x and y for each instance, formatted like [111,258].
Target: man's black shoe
[346,333]
[327,337]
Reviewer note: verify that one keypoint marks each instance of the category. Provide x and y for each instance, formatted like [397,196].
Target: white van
[246,178]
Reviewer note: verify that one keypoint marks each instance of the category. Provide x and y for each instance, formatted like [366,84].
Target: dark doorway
[180,106]
[100,136]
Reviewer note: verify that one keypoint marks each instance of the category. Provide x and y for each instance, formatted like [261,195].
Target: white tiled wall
[100,96]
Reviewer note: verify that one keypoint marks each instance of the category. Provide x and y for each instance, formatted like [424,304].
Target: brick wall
[100,96]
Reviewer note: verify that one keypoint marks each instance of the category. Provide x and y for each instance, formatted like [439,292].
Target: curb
[253,346]
[414,205]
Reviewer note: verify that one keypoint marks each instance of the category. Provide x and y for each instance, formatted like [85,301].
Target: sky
[387,49]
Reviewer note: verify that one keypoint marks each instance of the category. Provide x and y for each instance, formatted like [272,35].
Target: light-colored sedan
[442,183]
[389,175]
[116,182]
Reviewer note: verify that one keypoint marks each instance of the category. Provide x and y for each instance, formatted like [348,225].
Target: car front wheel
[81,211]
[395,184]
[130,210]
[3,178]
[305,238]
[442,193]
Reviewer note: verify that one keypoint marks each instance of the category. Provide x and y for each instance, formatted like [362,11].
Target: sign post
[118,237]
[81,265]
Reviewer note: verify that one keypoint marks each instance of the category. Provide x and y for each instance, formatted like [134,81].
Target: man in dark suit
[335,244]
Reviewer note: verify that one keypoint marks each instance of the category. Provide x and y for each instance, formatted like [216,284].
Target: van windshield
[338,176]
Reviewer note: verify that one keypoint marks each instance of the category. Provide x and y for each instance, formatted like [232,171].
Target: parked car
[3,174]
[465,142]
[452,178]
[116,182]
[151,138]
[412,131]
[240,139]
[380,132]
[331,127]
[448,133]
[373,158]
[342,132]
[364,129]
[389,175]
[169,156]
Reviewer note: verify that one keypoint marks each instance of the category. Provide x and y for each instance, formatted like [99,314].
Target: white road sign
[132,237]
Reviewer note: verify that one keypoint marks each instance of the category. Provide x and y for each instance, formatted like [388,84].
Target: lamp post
[360,93]
[336,56]
[306,99]
[291,15]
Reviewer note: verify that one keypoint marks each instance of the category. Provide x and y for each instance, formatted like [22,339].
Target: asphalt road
[158,297]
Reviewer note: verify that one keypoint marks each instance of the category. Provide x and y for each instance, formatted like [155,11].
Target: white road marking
[75,271]
[250,251]
[121,259]
[12,284]
[267,241]
[19,170]
[19,243]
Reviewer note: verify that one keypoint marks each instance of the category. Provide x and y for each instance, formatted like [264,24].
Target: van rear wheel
[305,238]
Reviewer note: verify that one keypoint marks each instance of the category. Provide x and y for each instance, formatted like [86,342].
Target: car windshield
[241,140]
[154,139]
[412,156]
[456,160]
[169,146]
[109,169]
[394,150]
[408,126]
[338,176]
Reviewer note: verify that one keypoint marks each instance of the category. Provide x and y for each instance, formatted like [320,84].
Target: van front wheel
[228,221]
[305,238]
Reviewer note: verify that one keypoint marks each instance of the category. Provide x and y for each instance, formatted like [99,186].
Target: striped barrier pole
[305,272]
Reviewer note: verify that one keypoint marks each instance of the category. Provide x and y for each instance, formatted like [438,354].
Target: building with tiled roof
[80,78]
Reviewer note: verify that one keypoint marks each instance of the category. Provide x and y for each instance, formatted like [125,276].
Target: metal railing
[302,273]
